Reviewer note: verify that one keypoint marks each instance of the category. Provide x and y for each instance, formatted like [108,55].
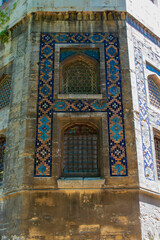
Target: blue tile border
[140,28]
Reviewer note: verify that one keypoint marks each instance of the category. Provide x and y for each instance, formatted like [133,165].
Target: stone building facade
[80,120]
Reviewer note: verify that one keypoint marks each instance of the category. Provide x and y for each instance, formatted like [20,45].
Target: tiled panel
[46,104]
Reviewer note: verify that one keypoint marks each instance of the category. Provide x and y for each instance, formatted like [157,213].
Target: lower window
[80,151]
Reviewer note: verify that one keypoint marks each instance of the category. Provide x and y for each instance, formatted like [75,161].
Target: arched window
[80,155]
[2,152]
[154,92]
[79,75]
[5,90]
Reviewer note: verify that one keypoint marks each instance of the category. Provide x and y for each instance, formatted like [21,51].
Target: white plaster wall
[150,221]
[145,12]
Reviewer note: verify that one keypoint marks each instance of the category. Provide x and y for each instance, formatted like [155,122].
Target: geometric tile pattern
[82,105]
[47,104]
[5,90]
[144,114]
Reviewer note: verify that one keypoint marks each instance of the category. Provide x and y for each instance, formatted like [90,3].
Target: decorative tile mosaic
[47,104]
[143,112]
[82,105]
[5,90]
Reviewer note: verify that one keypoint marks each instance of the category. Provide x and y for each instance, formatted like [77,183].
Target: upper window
[2,151]
[80,154]
[79,71]
[5,90]
[157,149]
[154,92]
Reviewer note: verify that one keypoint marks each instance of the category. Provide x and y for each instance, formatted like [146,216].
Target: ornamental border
[112,104]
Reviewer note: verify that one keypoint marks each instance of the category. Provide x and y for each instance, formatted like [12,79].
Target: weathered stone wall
[56,213]
[10,220]
[51,208]
[72,215]
[17,115]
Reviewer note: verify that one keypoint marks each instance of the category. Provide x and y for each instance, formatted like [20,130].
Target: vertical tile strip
[43,159]
[143,113]
[117,149]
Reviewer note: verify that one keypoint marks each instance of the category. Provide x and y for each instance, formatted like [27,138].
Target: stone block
[83,229]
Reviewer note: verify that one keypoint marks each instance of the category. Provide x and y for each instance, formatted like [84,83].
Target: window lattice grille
[157,149]
[80,151]
[2,152]
[80,77]
[5,90]
[154,93]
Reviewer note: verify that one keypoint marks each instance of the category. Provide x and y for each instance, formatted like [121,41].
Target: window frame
[156,81]
[92,174]
[73,59]
[102,77]
[99,120]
